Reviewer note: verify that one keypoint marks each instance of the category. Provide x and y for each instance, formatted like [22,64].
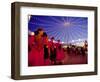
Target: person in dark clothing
[46,48]
[46,52]
[68,50]
[53,55]
[52,51]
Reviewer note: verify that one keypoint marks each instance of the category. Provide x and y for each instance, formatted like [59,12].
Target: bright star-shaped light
[67,23]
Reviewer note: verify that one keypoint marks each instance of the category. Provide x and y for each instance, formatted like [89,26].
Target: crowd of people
[41,51]
[77,50]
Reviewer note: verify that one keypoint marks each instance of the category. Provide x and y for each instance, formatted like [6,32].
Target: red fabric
[60,52]
[52,44]
[30,40]
[47,62]
[36,57]
[45,40]
[60,55]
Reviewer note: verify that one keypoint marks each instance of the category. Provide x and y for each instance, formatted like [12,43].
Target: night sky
[65,28]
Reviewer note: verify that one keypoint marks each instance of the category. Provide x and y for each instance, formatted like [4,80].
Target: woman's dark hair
[52,37]
[37,31]
[58,40]
[45,34]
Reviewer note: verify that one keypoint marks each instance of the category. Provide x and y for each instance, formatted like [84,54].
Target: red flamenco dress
[30,42]
[36,55]
[60,53]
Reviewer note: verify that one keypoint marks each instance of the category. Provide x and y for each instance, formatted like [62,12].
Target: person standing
[46,49]
[52,51]
[36,55]
[60,53]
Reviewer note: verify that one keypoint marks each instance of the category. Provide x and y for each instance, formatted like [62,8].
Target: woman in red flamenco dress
[36,55]
[60,53]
